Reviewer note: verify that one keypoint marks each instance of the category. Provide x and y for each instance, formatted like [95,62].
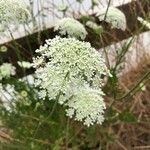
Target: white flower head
[71,28]
[12,11]
[68,65]
[6,70]
[24,64]
[114,16]
[87,105]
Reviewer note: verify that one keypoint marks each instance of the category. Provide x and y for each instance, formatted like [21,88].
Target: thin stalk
[130,93]
[123,52]
[109,2]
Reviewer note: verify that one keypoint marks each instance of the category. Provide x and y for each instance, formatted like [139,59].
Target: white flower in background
[6,70]
[71,28]
[69,66]
[144,22]
[87,105]
[24,64]
[114,16]
[12,11]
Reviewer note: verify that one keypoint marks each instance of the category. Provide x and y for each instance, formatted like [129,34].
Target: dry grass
[134,136]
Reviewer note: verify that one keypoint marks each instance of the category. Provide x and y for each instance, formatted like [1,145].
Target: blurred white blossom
[71,28]
[12,11]
[68,67]
[24,64]
[6,70]
[114,16]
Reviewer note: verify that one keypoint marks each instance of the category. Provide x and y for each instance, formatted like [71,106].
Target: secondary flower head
[71,28]
[12,11]
[6,70]
[68,67]
[114,16]
[87,105]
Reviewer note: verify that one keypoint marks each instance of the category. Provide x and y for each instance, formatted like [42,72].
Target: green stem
[125,48]
[130,93]
[109,2]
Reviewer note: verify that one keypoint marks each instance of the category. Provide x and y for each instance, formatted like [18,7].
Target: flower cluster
[6,70]
[114,16]
[12,11]
[71,71]
[87,104]
[71,28]
[24,64]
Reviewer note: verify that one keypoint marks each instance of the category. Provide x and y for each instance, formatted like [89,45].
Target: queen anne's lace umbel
[71,73]
[12,11]
[71,28]
[87,104]
[114,16]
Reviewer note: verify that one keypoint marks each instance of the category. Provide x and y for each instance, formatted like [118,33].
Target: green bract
[68,71]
